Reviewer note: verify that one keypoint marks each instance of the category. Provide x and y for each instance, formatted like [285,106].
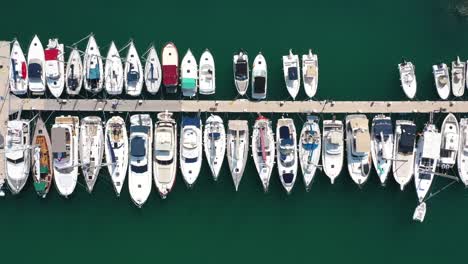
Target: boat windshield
[139,169]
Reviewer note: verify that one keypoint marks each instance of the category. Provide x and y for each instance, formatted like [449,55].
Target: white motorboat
[404,152]
[36,67]
[420,212]
[286,144]
[93,69]
[241,72]
[358,148]
[263,150]
[310,145]
[441,80]
[382,146]
[237,149]
[133,72]
[18,70]
[55,67]
[170,67]
[153,71]
[310,73]
[427,157]
[113,71]
[91,149]
[74,73]
[189,75]
[116,151]
[408,78]
[140,169]
[291,72]
[190,149]
[42,170]
[207,70]
[462,157]
[165,153]
[259,77]
[450,133]
[17,154]
[332,148]
[65,137]
[458,77]
[214,141]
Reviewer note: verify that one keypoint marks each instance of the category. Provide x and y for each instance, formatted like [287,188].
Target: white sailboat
[332,148]
[36,67]
[214,141]
[291,72]
[165,153]
[116,151]
[382,146]
[462,157]
[55,67]
[133,72]
[65,135]
[358,148]
[310,146]
[93,69]
[207,73]
[18,77]
[450,133]
[189,75]
[140,169]
[113,71]
[17,154]
[153,71]
[241,72]
[91,149]
[310,73]
[259,78]
[237,149]
[286,149]
[458,77]
[190,149]
[408,78]
[404,152]
[74,73]
[441,80]
[263,150]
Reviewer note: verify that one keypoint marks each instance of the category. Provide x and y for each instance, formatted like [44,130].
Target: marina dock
[4,96]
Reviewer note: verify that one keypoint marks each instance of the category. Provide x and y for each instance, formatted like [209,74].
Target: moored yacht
[116,151]
[449,142]
[382,146]
[310,73]
[458,77]
[190,149]
[332,148]
[263,150]
[153,71]
[214,141]
[91,149]
[237,149]
[291,72]
[441,80]
[42,170]
[113,71]
[92,64]
[310,145]
[207,74]
[74,73]
[36,67]
[404,151]
[358,148]
[241,72]
[133,72]
[55,67]
[17,154]
[18,70]
[170,67]
[407,78]
[286,145]
[462,157]
[259,77]
[189,75]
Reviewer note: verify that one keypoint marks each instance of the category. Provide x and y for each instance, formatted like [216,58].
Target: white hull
[152,71]
[450,142]
[291,72]
[404,152]
[310,145]
[358,148]
[18,76]
[241,72]
[286,149]
[74,73]
[17,154]
[189,75]
[441,80]
[458,77]
[382,146]
[93,67]
[191,151]
[113,71]
[55,67]
[91,149]
[36,67]
[333,149]
[116,151]
[259,78]
[170,67]
[310,73]
[408,79]
[133,72]
[207,73]
[263,150]
[237,149]
[462,157]
[214,141]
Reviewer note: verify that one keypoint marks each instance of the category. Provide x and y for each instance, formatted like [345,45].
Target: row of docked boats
[46,68]
[149,151]
[446,83]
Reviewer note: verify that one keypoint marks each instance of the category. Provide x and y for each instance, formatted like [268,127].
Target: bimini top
[59,136]
[382,127]
[292,73]
[169,75]
[35,69]
[51,54]
[284,132]
[139,129]
[407,138]
[431,148]
[138,147]
[94,73]
[259,85]
[241,69]
[190,121]
[189,83]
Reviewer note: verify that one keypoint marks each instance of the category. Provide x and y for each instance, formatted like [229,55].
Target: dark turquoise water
[359,45]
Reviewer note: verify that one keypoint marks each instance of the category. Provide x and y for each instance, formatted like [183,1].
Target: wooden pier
[4,96]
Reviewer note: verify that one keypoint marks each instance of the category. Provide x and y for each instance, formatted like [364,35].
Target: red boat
[170,67]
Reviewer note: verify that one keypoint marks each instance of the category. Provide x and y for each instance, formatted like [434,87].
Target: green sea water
[359,45]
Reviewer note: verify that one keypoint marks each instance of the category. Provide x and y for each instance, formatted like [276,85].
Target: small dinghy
[382,146]
[140,169]
[449,142]
[116,151]
[458,77]
[286,145]
[74,73]
[165,153]
[263,150]
[18,70]
[237,149]
[65,133]
[407,78]
[55,67]
[207,74]
[420,212]
[404,152]
[170,67]
[214,141]
[133,72]
[36,67]
[310,73]
[259,78]
[358,148]
[42,170]
[462,157]
[91,149]
[241,72]
[333,149]
[291,72]
[427,157]
[189,75]
[441,80]
[113,71]
[17,154]
[309,149]
[152,71]
[92,64]
[190,149]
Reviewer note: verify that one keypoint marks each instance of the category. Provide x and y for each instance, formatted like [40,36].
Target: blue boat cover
[284,132]
[288,177]
[286,142]
[139,129]
[292,73]
[259,85]
[214,136]
[190,121]
[151,78]
[384,127]
[407,138]
[15,72]
[310,146]
[191,160]
[133,76]
[35,70]
[138,147]
[94,73]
